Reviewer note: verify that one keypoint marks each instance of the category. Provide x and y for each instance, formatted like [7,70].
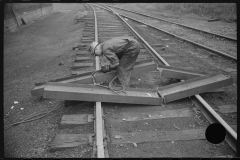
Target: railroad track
[164,20]
[129,130]
[218,39]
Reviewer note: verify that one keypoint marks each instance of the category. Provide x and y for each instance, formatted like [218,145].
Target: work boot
[116,82]
[116,85]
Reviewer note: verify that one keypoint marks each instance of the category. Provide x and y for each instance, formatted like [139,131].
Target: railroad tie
[87,38]
[84,52]
[83,58]
[81,65]
[76,72]
[169,55]
[87,41]
[66,141]
[75,120]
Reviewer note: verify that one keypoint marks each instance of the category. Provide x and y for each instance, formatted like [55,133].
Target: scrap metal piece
[86,78]
[88,92]
[179,73]
[194,86]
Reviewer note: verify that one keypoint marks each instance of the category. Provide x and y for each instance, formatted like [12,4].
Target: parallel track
[196,29]
[227,55]
[105,23]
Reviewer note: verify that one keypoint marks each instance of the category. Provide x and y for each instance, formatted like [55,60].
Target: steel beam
[194,86]
[86,78]
[92,93]
[178,73]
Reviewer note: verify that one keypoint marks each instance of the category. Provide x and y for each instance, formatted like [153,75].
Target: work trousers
[127,61]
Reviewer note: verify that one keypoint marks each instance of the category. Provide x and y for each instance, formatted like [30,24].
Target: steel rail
[209,113]
[98,107]
[197,44]
[214,34]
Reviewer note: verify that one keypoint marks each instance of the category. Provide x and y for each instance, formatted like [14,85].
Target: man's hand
[105,68]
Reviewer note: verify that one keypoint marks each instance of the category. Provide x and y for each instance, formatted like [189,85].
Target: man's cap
[92,47]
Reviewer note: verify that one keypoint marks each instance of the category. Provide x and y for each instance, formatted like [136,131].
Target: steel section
[193,86]
[178,73]
[232,135]
[86,78]
[90,92]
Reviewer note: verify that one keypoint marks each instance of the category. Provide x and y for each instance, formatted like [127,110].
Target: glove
[105,68]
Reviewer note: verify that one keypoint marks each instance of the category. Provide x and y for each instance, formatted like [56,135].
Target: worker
[122,52]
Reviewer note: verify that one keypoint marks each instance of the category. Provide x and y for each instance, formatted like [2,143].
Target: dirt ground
[32,54]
